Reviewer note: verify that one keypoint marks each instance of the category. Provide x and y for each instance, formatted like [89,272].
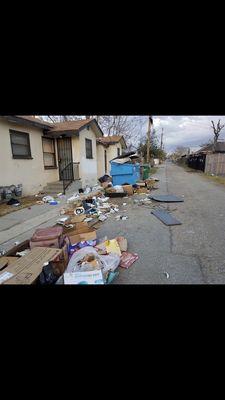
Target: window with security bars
[49,153]
[88,145]
[20,144]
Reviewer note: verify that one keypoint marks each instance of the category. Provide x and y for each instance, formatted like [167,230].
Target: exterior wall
[112,153]
[101,160]
[215,164]
[76,156]
[88,167]
[30,173]
[76,148]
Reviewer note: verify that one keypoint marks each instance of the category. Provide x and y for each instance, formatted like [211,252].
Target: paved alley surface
[191,253]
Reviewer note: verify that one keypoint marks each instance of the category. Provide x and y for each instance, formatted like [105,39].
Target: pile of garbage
[9,192]
[98,264]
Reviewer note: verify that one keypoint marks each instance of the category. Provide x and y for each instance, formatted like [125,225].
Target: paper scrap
[84,278]
[5,276]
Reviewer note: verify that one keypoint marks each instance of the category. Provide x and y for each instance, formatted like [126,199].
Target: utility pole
[161,140]
[150,123]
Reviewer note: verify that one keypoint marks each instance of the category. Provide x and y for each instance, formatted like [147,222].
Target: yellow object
[112,246]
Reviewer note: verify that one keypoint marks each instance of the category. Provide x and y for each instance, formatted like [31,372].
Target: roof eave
[22,121]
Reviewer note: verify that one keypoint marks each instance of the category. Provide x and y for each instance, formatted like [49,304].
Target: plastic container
[125,173]
[146,171]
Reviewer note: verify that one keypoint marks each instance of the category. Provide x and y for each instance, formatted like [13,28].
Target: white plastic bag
[48,199]
[108,262]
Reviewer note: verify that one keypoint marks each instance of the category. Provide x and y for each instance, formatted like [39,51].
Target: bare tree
[61,118]
[216,130]
[130,127]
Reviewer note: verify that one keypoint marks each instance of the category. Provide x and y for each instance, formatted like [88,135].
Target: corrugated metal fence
[215,164]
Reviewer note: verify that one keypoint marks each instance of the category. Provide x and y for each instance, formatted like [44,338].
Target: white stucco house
[37,153]
[108,147]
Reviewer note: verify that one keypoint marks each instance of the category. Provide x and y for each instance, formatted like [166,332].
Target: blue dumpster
[124,173]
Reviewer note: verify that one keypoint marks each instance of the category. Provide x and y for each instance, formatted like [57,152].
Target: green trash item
[146,171]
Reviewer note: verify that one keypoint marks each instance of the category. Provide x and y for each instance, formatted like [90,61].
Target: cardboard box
[4,261]
[79,235]
[110,190]
[142,190]
[27,268]
[61,262]
[78,226]
[77,218]
[129,189]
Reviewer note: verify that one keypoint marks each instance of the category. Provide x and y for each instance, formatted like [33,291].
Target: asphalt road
[191,253]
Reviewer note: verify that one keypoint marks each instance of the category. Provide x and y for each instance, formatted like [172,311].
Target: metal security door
[65,158]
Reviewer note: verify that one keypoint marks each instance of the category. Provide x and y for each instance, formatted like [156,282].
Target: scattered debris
[167,198]
[48,199]
[165,217]
[22,253]
[127,259]
[83,278]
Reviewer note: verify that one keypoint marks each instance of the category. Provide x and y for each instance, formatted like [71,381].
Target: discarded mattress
[165,217]
[166,198]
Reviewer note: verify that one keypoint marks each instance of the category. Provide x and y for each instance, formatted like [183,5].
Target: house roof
[70,125]
[28,119]
[35,119]
[75,126]
[108,140]
[219,148]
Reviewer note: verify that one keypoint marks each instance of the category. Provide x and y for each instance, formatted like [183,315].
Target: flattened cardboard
[27,268]
[4,261]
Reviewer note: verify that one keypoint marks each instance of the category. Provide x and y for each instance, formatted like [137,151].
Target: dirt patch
[26,202]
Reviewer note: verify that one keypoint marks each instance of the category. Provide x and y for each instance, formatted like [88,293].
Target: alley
[191,253]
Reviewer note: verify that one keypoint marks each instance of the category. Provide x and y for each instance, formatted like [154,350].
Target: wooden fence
[215,164]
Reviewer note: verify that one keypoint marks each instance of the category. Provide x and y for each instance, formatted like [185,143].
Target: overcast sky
[188,131]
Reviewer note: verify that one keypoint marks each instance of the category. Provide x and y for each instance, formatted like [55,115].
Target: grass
[26,201]
[153,170]
[216,179]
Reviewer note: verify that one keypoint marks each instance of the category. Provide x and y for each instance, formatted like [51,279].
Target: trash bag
[87,190]
[106,262]
[47,276]
[104,178]
[110,262]
[13,202]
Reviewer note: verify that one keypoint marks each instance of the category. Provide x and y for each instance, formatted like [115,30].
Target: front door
[65,158]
